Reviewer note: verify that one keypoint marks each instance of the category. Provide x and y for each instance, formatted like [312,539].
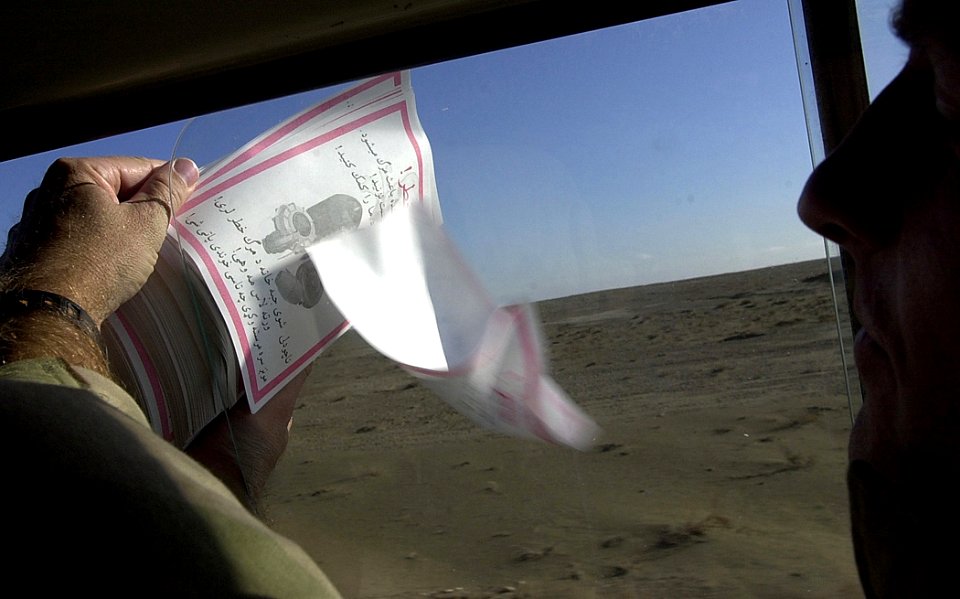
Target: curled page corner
[505,387]
[404,288]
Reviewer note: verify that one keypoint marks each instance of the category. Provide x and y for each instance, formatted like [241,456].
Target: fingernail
[187,170]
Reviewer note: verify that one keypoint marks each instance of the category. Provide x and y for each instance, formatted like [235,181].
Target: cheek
[946,71]
[929,302]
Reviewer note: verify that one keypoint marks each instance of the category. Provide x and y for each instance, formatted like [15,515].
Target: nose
[857,196]
[840,200]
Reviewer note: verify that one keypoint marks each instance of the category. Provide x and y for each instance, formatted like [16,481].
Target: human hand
[245,462]
[93,229]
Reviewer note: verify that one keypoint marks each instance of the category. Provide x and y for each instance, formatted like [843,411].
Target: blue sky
[666,149]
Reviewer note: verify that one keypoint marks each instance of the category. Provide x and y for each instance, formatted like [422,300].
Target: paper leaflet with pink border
[367,150]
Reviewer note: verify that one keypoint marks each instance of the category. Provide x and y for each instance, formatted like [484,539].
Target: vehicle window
[638,186]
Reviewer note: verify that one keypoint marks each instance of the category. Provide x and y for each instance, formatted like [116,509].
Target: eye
[936,110]
[944,67]
[948,120]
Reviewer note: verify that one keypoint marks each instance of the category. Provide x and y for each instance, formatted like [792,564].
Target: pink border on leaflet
[529,404]
[295,123]
[221,286]
[165,429]
[531,376]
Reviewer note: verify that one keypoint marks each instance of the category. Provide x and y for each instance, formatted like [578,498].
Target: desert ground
[720,471]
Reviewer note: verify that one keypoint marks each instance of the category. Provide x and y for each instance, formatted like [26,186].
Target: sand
[720,472]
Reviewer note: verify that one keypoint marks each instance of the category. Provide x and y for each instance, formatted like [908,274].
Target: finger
[133,172]
[32,200]
[12,234]
[11,239]
[119,176]
[284,401]
[168,186]
[29,205]
[133,179]
[293,389]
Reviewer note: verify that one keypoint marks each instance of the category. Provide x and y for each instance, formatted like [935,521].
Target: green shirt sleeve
[99,501]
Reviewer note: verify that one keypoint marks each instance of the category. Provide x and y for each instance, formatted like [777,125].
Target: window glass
[638,184]
[883,53]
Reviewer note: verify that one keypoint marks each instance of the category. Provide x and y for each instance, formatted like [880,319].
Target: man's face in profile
[890,196]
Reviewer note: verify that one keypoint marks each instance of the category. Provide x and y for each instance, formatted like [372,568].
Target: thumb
[167,187]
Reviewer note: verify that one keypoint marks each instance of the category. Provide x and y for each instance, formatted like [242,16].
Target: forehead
[919,20]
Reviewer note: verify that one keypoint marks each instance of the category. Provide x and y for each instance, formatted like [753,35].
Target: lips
[862,339]
[871,429]
[867,352]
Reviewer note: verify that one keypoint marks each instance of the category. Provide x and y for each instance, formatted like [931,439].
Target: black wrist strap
[26,300]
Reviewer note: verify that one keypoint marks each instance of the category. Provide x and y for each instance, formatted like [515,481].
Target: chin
[900,530]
